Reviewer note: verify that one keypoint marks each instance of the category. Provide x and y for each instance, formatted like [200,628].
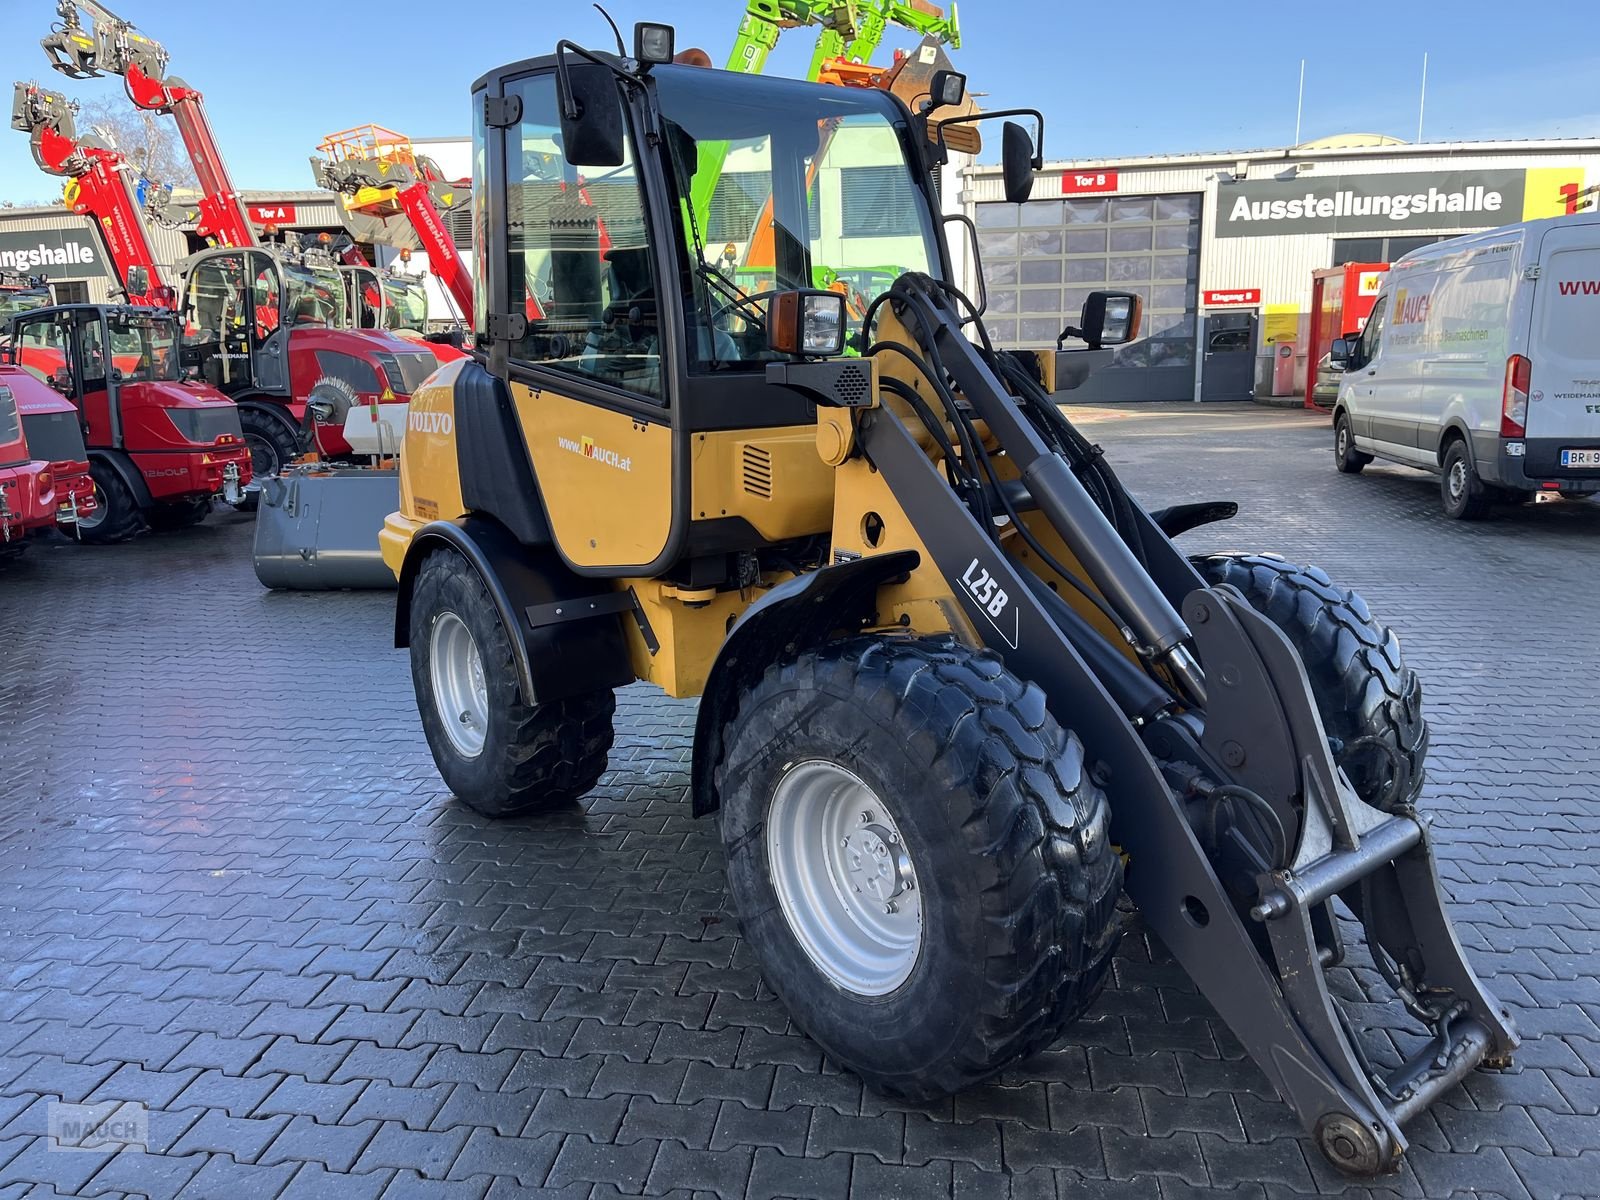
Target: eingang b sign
[1369,203]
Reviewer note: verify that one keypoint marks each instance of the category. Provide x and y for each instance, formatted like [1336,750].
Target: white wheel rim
[844,878]
[1344,439]
[93,520]
[459,691]
[1458,479]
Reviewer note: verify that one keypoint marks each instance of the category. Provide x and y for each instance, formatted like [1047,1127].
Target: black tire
[1369,700]
[166,518]
[273,441]
[1464,495]
[117,515]
[1346,458]
[1007,835]
[533,756]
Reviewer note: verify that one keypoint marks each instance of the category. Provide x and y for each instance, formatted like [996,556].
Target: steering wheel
[756,316]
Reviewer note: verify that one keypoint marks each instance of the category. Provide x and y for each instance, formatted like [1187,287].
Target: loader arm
[1213,702]
[113,46]
[101,186]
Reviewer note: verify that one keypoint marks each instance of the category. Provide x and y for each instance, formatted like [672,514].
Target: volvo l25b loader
[952,676]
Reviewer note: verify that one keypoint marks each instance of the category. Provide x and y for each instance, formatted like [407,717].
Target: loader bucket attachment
[317,527]
[1212,712]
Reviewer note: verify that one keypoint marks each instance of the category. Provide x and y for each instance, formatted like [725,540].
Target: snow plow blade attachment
[317,527]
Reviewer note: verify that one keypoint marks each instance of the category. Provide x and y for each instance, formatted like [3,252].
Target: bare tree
[148,140]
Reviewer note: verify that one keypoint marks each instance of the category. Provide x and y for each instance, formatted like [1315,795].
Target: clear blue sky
[1120,78]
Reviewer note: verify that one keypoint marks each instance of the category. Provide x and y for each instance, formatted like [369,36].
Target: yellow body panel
[606,477]
[770,477]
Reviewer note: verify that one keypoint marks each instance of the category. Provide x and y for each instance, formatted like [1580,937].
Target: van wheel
[1369,700]
[1464,494]
[919,859]
[116,516]
[499,755]
[1346,457]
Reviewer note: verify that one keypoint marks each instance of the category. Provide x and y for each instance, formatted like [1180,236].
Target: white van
[1481,362]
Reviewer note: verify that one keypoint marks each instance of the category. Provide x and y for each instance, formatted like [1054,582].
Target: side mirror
[1110,319]
[808,323]
[1342,354]
[591,116]
[1016,156]
[138,281]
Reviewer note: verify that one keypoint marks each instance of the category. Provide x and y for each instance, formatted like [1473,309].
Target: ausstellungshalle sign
[56,253]
[1369,203]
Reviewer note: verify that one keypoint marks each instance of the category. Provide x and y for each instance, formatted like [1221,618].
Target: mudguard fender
[129,474]
[796,615]
[553,661]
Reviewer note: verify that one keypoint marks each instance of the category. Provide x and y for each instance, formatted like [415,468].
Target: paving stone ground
[233,888]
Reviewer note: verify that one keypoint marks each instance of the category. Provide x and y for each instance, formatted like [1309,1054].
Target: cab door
[1563,424]
[217,322]
[268,325]
[1361,382]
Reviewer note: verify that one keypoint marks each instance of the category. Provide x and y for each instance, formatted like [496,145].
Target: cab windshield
[13,302]
[405,304]
[313,295]
[144,348]
[787,185]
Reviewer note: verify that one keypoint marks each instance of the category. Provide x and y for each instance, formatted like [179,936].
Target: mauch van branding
[1366,203]
[1410,307]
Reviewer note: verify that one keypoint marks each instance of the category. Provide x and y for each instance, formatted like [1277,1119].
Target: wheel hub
[875,862]
[1458,479]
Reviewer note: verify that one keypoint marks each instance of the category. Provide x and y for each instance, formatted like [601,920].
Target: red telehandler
[160,447]
[270,327]
[44,469]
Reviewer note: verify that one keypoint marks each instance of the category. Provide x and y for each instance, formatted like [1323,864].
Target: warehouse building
[1222,246]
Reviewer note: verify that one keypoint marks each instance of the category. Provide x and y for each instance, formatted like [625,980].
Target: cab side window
[216,302]
[94,356]
[1372,334]
[580,255]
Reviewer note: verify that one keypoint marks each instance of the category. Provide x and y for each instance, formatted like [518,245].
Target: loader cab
[382,300]
[651,273]
[122,368]
[240,307]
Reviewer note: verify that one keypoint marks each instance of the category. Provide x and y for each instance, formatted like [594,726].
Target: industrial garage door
[1043,258]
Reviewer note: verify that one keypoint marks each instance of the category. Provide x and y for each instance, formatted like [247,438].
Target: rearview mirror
[138,281]
[1110,319]
[807,323]
[1016,156]
[1343,352]
[592,137]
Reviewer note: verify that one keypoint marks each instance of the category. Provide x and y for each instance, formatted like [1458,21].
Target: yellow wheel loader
[957,687]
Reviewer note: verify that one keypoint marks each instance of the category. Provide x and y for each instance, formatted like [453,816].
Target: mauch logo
[431,422]
[96,1128]
[586,447]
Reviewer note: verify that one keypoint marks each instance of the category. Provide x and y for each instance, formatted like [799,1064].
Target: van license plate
[1580,458]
